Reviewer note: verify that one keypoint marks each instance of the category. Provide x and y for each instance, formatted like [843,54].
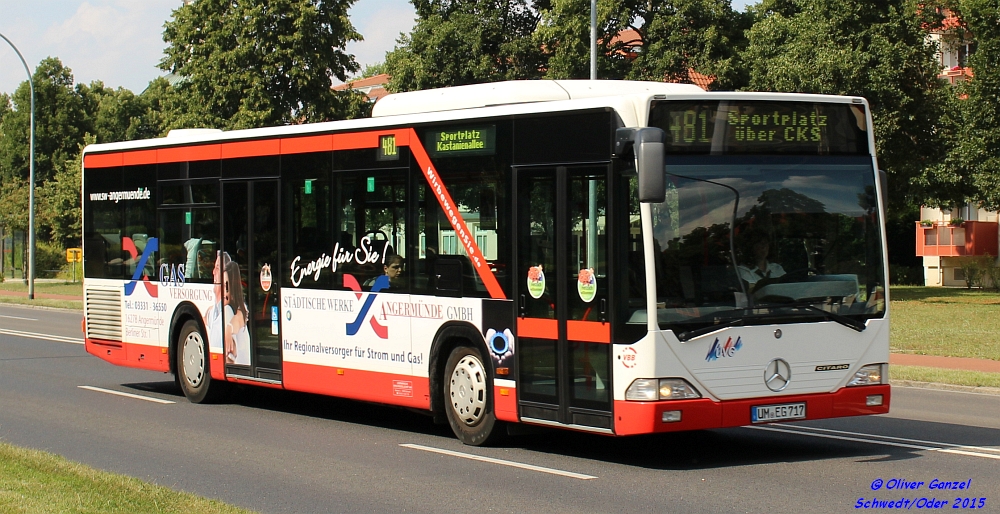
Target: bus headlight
[871,374]
[653,389]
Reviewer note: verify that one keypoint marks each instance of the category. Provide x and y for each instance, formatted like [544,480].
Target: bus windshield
[767,239]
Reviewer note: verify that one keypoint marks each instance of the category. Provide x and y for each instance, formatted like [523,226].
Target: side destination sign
[462,141]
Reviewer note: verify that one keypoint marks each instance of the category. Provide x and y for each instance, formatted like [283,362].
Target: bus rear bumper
[633,418]
[154,358]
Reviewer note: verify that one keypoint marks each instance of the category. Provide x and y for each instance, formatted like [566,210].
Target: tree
[644,39]
[875,49]
[116,114]
[67,117]
[977,147]
[59,199]
[4,106]
[60,122]
[564,37]
[458,42]
[259,63]
[681,35]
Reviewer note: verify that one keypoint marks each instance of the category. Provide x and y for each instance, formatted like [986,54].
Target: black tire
[194,373]
[468,398]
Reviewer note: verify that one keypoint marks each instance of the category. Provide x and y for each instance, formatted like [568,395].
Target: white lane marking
[872,439]
[47,337]
[934,443]
[127,395]
[491,460]
[18,317]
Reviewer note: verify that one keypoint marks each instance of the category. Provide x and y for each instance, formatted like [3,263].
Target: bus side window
[188,241]
[379,208]
[442,266]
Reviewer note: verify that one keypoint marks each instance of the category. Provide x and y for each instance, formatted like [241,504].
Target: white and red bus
[612,257]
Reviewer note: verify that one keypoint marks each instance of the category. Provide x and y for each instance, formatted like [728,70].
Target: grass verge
[945,376]
[75,305]
[42,289]
[67,288]
[35,481]
[944,321]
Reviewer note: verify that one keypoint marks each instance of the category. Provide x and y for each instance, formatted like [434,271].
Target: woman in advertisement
[213,316]
[236,336]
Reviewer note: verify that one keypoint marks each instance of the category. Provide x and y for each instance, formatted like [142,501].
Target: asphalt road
[274,451]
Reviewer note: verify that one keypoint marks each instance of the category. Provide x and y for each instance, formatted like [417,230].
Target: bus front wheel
[193,374]
[468,398]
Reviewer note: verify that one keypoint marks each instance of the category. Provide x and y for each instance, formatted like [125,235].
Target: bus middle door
[564,331]
[251,277]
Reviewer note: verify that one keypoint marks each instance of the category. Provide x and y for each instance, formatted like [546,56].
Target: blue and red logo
[381,282]
[728,349]
[140,265]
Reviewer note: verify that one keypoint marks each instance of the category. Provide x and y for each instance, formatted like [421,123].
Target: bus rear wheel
[193,372]
[468,395]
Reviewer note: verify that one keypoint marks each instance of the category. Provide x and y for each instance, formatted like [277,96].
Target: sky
[120,42]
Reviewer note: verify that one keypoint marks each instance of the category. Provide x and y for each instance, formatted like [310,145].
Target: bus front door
[562,289]
[250,283]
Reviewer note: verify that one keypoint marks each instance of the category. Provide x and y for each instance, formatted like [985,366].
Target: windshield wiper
[684,336]
[839,318]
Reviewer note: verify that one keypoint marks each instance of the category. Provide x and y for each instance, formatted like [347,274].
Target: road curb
[946,387]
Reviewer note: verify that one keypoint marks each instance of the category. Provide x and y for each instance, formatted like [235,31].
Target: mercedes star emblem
[777,374]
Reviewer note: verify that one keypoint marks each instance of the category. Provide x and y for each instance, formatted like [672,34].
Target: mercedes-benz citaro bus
[603,256]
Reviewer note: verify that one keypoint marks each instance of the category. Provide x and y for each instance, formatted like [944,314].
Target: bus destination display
[729,127]
[462,141]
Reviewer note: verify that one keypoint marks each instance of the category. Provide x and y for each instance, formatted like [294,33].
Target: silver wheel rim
[194,359]
[467,390]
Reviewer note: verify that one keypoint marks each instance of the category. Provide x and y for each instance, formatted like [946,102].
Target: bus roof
[518,92]
[628,98]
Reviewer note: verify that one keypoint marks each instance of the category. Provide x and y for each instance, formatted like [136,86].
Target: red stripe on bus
[588,331]
[465,237]
[369,386]
[632,418]
[189,153]
[505,405]
[403,137]
[255,148]
[107,160]
[258,148]
[139,157]
[308,144]
[538,328]
[356,140]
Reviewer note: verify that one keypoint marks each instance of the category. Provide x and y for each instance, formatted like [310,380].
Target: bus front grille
[103,310]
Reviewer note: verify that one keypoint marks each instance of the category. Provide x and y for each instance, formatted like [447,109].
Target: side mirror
[648,148]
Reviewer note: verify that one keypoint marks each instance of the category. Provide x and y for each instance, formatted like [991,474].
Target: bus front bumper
[633,418]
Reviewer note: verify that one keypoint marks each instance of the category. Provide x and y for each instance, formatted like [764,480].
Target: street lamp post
[31,175]
[593,39]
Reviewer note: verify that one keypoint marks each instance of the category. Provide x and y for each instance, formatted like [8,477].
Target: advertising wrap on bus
[438,257]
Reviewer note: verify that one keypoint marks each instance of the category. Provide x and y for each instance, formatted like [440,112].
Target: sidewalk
[931,361]
[42,295]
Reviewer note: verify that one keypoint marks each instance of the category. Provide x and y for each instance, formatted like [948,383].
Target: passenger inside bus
[394,270]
